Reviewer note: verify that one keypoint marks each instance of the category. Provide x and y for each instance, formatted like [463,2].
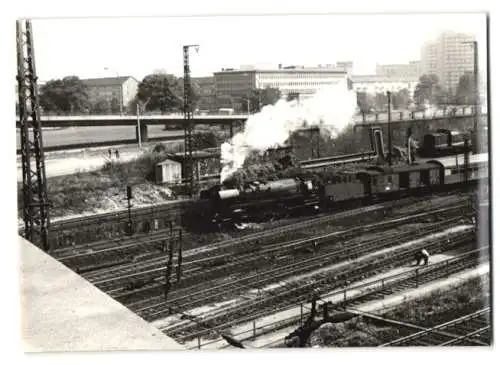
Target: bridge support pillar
[143,133]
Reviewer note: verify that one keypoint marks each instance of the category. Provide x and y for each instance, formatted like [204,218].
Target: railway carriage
[418,176]
[379,181]
[264,200]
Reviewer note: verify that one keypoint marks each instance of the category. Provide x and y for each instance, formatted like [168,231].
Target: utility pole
[129,209]
[389,131]
[188,121]
[35,201]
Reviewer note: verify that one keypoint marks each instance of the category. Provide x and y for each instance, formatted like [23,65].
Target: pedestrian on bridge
[117,154]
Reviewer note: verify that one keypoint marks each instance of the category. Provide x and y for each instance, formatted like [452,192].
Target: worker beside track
[422,255]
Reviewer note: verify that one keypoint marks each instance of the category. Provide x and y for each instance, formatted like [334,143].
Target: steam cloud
[332,108]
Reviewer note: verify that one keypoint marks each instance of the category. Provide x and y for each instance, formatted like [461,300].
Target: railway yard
[281,283]
[293,223]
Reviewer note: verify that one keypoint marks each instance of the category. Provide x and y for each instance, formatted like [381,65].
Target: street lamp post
[260,96]
[140,106]
[120,100]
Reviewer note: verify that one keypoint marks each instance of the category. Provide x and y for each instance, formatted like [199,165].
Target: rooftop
[294,68]
[107,81]
[383,78]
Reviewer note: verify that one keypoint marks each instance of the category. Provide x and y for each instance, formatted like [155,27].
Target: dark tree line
[368,103]
[165,93]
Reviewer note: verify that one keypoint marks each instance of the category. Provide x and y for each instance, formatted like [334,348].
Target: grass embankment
[105,189]
[427,311]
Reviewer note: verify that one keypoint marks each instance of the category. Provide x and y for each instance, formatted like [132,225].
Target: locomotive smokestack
[379,143]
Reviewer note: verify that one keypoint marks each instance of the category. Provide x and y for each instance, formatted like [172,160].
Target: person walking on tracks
[422,255]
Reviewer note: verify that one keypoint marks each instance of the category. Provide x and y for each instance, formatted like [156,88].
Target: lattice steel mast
[189,166]
[35,202]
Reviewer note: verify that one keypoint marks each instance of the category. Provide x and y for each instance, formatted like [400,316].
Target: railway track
[349,298]
[200,253]
[75,256]
[122,214]
[196,269]
[292,294]
[293,267]
[101,253]
[472,329]
[106,225]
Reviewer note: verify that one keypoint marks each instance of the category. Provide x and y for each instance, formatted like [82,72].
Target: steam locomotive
[263,201]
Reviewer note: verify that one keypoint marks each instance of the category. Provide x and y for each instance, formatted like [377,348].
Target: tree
[365,101]
[101,107]
[269,95]
[444,97]
[380,101]
[224,101]
[427,90]
[400,99]
[114,105]
[260,98]
[164,91]
[206,98]
[466,90]
[64,95]
[292,96]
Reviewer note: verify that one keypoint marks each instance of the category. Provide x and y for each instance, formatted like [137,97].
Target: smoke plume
[332,108]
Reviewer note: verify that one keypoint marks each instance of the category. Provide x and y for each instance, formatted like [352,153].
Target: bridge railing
[398,114]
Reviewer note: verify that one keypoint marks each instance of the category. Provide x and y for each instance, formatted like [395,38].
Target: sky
[137,46]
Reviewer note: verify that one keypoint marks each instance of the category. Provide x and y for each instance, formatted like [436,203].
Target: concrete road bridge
[464,114]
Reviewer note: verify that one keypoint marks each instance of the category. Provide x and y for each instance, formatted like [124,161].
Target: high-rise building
[449,57]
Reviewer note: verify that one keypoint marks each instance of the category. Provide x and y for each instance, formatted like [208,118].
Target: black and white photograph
[253,182]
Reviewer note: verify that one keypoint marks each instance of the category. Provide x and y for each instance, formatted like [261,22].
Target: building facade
[399,71]
[237,83]
[347,66]
[206,92]
[112,90]
[449,57]
[374,84]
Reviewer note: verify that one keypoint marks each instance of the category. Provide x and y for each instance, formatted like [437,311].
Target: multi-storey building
[373,84]
[347,66]
[449,57]
[112,89]
[399,71]
[206,92]
[236,84]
